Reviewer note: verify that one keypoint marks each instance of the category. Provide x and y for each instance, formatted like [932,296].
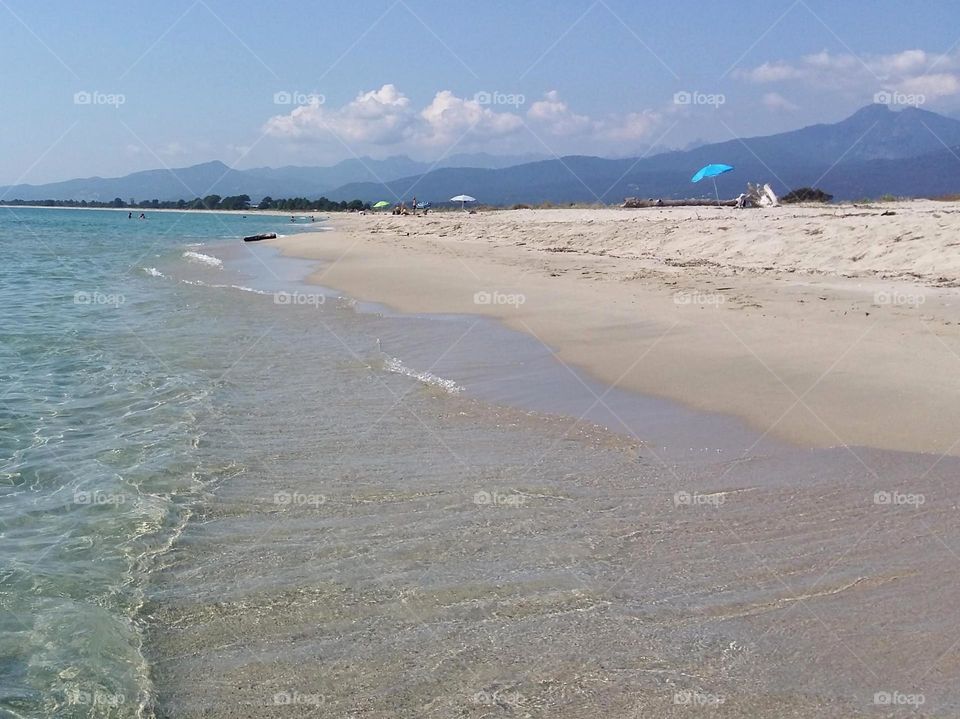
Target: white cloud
[910,71]
[555,116]
[770,72]
[932,86]
[448,118]
[387,117]
[381,116]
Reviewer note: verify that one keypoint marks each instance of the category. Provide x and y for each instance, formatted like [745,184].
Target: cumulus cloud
[771,72]
[555,116]
[910,71]
[388,117]
[378,117]
[448,118]
[932,86]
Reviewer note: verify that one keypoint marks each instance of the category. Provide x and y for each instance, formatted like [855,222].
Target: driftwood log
[637,202]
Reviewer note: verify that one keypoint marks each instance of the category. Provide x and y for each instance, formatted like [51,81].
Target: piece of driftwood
[636,202]
[257,238]
[759,196]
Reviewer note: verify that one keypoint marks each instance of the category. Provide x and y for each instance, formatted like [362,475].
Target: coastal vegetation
[210,202]
[807,194]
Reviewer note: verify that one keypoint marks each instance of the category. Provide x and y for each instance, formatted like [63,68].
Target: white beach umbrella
[463,199]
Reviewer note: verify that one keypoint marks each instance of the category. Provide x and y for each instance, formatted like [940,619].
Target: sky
[110,87]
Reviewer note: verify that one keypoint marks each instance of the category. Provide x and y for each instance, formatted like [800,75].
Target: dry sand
[820,325]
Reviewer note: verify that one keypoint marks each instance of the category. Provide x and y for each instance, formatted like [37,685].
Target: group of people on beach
[401,208]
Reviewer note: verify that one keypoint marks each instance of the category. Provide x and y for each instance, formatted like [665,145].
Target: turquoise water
[105,391]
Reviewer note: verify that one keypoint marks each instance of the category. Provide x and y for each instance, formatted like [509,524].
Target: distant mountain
[874,133]
[869,153]
[216,178]
[162,184]
[873,152]
[486,161]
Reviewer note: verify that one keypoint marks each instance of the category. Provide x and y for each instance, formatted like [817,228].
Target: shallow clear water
[105,390]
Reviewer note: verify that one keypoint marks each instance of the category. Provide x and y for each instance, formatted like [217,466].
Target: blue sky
[112,87]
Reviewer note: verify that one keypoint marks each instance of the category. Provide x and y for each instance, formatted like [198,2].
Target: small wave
[393,364]
[242,288]
[205,259]
[152,271]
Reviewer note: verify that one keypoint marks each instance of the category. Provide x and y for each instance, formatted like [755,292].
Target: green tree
[235,202]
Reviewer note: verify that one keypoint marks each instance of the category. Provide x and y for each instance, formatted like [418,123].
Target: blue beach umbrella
[713,172]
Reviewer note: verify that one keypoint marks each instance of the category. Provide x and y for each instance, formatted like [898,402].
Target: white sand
[822,325]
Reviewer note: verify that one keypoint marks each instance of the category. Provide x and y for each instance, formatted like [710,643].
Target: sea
[226,491]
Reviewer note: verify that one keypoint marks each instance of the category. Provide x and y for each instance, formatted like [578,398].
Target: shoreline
[808,357]
[367,518]
[264,213]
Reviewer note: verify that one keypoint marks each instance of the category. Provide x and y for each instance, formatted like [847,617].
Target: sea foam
[205,259]
[392,364]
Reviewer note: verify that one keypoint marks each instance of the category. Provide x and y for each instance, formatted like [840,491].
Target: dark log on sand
[637,202]
[257,238]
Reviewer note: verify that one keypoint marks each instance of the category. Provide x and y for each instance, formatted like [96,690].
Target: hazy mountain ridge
[217,178]
[875,151]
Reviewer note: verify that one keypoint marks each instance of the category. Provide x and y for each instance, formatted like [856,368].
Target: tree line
[210,202]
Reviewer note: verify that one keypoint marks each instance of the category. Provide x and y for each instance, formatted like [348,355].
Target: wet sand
[387,549]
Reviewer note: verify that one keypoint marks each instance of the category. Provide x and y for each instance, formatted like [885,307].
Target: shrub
[807,194]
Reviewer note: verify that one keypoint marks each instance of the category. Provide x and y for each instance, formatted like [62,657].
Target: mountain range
[876,151]
[217,178]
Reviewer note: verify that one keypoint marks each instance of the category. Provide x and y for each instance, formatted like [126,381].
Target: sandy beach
[373,543]
[821,325]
